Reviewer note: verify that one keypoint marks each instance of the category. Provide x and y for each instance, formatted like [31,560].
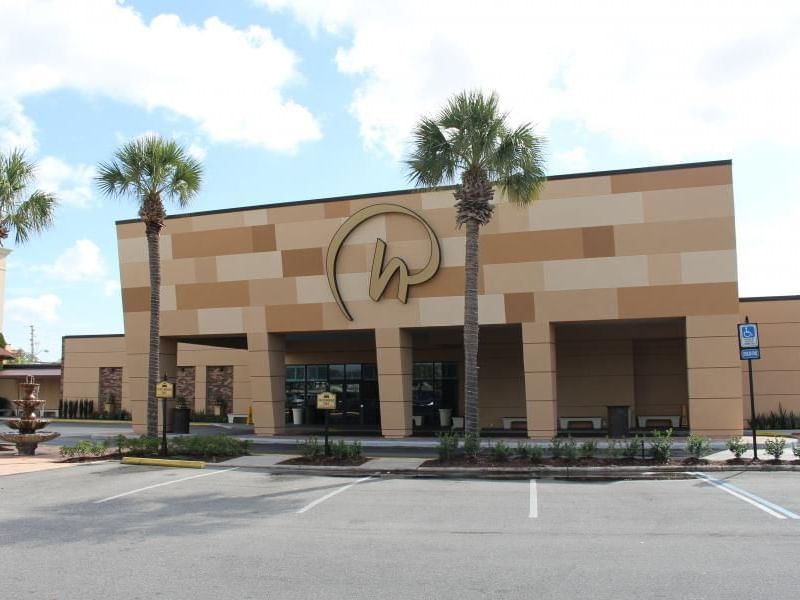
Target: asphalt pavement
[126,532]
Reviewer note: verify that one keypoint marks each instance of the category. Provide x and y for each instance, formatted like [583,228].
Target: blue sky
[289,100]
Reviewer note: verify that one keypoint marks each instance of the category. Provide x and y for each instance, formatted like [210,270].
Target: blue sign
[750,353]
[748,335]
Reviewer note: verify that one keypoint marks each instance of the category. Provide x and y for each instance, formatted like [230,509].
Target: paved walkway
[47,457]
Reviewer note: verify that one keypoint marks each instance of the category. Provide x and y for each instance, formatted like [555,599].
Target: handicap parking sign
[748,335]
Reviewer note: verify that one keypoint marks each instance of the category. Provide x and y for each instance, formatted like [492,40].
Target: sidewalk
[46,458]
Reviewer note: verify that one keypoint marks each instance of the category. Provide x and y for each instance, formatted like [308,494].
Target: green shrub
[698,446]
[782,419]
[355,449]
[121,442]
[143,446]
[535,454]
[661,445]
[312,448]
[775,447]
[737,446]
[557,447]
[796,450]
[523,450]
[570,450]
[447,446]
[85,448]
[339,450]
[209,446]
[615,450]
[588,449]
[201,417]
[633,447]
[501,451]
[472,445]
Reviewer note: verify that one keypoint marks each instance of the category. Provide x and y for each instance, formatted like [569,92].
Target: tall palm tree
[148,169]
[470,144]
[22,210]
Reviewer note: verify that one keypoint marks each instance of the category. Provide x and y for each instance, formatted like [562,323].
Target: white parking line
[534,504]
[768,507]
[157,485]
[311,505]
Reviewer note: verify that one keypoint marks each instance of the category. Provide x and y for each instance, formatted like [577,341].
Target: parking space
[244,533]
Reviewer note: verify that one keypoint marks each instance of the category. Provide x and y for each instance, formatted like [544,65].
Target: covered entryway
[617,377]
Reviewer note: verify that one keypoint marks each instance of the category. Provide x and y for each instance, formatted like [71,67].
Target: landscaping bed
[211,448]
[326,461]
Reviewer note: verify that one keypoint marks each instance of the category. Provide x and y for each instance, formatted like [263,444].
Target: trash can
[180,420]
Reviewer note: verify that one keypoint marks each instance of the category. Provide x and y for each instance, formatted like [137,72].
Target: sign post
[326,401]
[750,350]
[164,390]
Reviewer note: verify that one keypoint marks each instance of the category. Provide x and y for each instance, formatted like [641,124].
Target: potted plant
[445,416]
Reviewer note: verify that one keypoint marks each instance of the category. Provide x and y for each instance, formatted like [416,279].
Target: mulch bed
[486,461]
[325,461]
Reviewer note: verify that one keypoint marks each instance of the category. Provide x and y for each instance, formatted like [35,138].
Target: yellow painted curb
[164,462]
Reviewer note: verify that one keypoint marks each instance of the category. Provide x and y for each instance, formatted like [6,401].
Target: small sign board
[326,401]
[748,335]
[165,389]
[749,353]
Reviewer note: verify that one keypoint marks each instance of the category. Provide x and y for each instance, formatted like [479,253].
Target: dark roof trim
[21,366]
[93,335]
[768,298]
[695,165]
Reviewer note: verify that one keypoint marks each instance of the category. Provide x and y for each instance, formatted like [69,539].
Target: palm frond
[33,215]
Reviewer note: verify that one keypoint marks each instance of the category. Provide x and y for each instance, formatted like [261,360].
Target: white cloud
[71,184]
[80,262]
[230,81]
[111,287]
[679,79]
[197,151]
[30,309]
[574,159]
[16,130]
[767,254]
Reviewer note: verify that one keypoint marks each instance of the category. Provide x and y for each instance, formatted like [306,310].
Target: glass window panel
[353,372]
[437,370]
[423,370]
[295,372]
[449,371]
[369,372]
[335,372]
[317,372]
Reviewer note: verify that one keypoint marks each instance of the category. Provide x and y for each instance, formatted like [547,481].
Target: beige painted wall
[776,376]
[50,390]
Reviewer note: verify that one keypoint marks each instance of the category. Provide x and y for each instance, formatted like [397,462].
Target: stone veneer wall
[185,385]
[110,385]
[219,384]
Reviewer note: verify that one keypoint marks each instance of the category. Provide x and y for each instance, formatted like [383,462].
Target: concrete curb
[163,462]
[575,473]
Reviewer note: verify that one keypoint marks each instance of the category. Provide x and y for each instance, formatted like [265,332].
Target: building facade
[610,303]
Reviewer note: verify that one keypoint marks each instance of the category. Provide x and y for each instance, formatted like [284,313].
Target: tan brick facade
[627,255]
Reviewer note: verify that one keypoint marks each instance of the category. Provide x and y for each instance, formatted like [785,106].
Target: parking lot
[112,531]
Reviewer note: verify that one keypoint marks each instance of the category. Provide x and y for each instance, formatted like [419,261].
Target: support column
[539,358]
[267,360]
[393,349]
[714,374]
[135,373]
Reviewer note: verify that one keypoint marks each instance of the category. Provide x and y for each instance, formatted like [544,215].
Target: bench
[509,422]
[658,421]
[233,416]
[580,422]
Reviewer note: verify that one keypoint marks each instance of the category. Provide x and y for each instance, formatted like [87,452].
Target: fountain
[27,426]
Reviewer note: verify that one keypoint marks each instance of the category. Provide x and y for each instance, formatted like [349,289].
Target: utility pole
[33,344]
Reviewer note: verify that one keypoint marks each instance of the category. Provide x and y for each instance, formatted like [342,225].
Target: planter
[297,416]
[109,408]
[445,415]
[458,422]
[417,420]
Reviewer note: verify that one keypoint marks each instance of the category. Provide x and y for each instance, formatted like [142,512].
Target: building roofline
[92,335]
[768,298]
[693,165]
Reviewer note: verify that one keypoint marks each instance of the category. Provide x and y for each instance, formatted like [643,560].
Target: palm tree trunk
[154,259]
[471,329]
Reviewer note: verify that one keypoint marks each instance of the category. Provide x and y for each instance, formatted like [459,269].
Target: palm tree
[22,211]
[470,144]
[147,169]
